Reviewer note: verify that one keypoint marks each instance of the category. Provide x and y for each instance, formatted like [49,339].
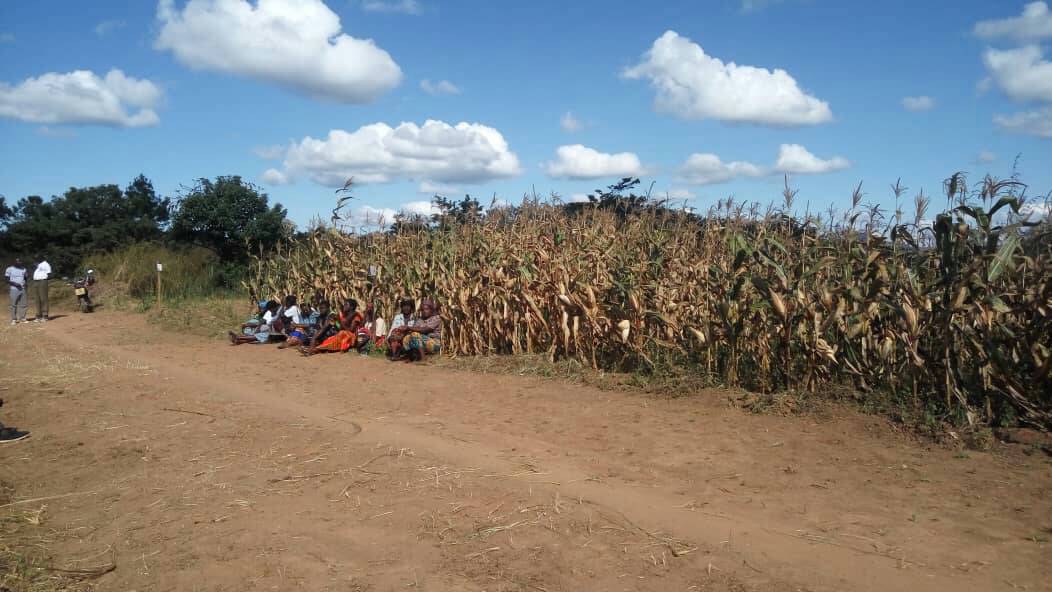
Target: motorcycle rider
[83,284]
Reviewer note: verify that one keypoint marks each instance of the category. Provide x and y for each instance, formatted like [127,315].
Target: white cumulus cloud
[569,123]
[418,208]
[379,153]
[369,216]
[581,162]
[794,158]
[708,169]
[1022,73]
[1034,24]
[985,157]
[274,177]
[399,6]
[296,44]
[1037,122]
[372,216]
[921,103]
[442,87]
[693,85]
[1037,210]
[82,97]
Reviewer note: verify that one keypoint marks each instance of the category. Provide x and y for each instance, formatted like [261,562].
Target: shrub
[132,271]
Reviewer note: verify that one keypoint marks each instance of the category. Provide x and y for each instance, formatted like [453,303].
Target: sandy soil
[194,465]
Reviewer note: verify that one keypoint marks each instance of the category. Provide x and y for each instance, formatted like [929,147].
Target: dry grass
[210,316]
[131,271]
[26,564]
[26,537]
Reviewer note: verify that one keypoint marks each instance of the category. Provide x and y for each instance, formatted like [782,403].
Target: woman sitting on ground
[302,331]
[424,335]
[249,326]
[258,332]
[327,325]
[346,336]
[394,336]
[292,313]
[289,314]
[375,326]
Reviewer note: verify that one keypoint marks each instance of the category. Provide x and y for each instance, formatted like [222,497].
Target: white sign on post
[160,267]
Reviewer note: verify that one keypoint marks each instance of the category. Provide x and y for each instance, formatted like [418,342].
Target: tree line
[227,215]
[224,215]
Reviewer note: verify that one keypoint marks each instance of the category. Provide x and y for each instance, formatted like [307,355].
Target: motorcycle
[82,289]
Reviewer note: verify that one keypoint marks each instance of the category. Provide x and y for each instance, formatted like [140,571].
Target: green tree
[5,211]
[614,198]
[85,220]
[228,216]
[409,223]
[466,211]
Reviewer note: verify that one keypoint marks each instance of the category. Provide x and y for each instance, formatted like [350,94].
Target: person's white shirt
[42,272]
[16,276]
[293,314]
[379,327]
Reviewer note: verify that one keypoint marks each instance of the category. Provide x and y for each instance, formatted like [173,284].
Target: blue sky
[207,86]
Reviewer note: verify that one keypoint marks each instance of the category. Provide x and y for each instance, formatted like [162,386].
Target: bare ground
[191,465]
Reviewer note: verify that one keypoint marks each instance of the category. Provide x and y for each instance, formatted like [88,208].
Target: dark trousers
[40,298]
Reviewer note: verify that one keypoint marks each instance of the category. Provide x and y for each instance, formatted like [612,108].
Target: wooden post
[160,268]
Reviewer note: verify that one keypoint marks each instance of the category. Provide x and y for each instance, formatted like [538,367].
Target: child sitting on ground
[398,324]
[372,332]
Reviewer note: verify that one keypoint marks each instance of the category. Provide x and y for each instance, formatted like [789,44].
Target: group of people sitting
[315,328]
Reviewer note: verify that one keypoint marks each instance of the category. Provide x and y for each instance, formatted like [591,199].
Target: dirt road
[193,465]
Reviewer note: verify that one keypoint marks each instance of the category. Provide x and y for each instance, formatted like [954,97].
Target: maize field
[954,314]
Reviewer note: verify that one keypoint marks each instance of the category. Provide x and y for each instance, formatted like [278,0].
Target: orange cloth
[341,342]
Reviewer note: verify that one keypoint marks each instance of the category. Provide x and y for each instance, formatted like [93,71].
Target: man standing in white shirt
[16,280]
[40,285]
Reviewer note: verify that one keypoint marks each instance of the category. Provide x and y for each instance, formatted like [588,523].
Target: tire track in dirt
[386,406]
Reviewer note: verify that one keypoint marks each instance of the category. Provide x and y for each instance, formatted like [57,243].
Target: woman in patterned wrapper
[424,335]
